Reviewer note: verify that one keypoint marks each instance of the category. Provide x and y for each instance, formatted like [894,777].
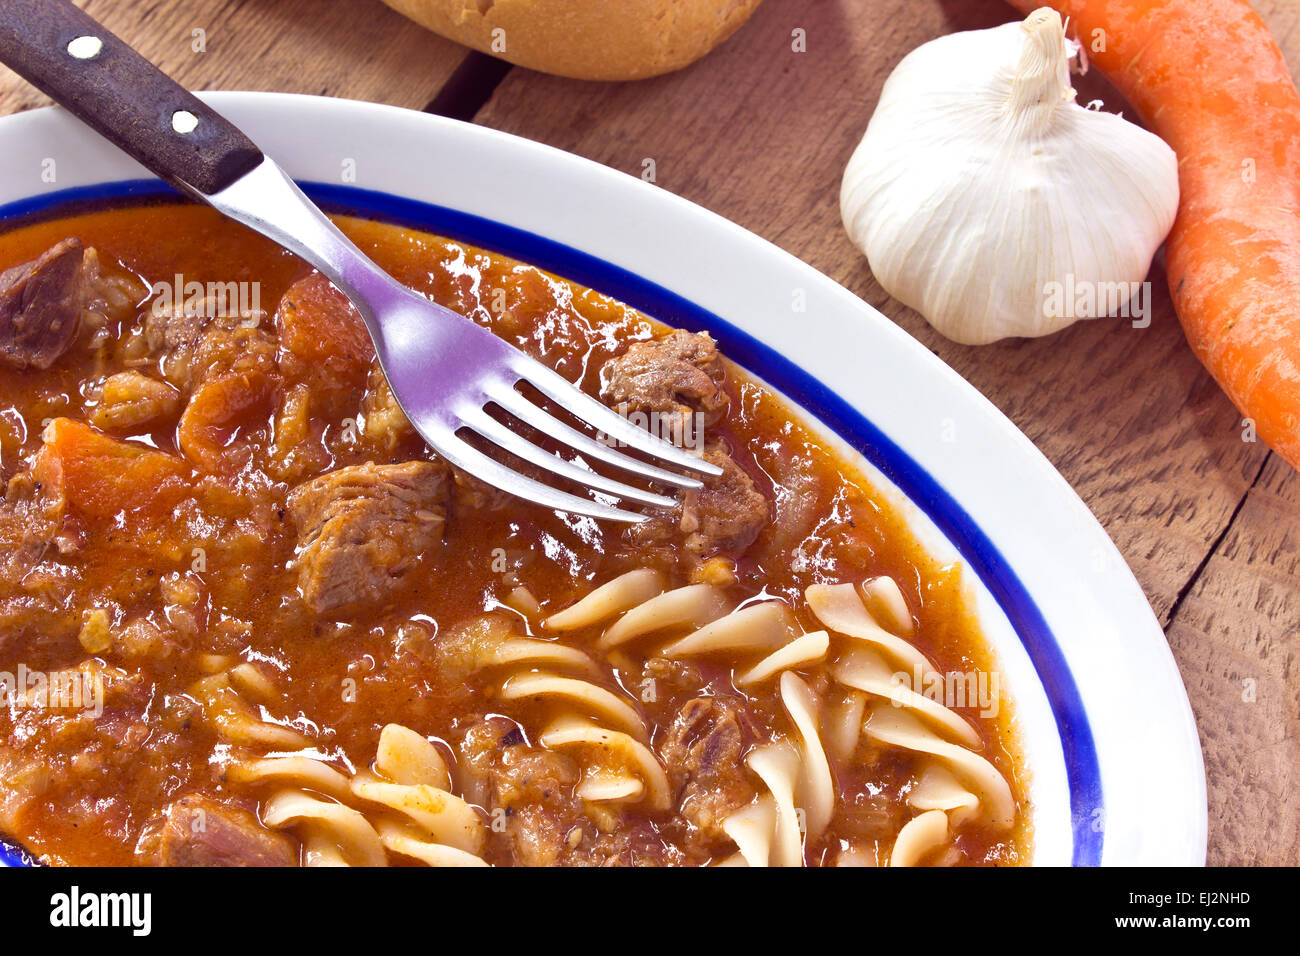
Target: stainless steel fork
[445,371]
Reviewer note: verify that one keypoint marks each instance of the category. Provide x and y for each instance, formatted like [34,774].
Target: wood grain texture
[1236,638]
[761,133]
[355,48]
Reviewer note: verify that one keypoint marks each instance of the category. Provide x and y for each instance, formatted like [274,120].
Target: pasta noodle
[247,679]
[586,695]
[614,597]
[867,671]
[920,835]
[884,599]
[767,830]
[407,758]
[403,806]
[816,784]
[399,841]
[938,789]
[600,725]
[800,797]
[900,728]
[332,834]
[758,627]
[604,786]
[548,653]
[844,725]
[523,601]
[840,609]
[805,649]
[694,605]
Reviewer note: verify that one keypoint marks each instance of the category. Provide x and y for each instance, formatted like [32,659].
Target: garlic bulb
[988,200]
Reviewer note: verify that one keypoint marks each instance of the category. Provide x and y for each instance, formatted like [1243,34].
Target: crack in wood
[469,88]
[1186,589]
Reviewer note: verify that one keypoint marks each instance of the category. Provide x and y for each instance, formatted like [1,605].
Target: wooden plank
[361,50]
[760,133]
[1237,639]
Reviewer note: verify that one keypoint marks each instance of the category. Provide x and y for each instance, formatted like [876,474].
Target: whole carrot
[1207,77]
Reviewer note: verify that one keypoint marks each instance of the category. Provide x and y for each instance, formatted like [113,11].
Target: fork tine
[485,468]
[557,388]
[531,414]
[501,436]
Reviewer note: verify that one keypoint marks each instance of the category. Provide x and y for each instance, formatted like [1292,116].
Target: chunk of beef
[199,831]
[195,341]
[46,303]
[385,427]
[679,374]
[724,516]
[704,753]
[40,306]
[533,788]
[361,529]
[682,375]
[224,363]
[35,589]
[545,822]
[173,336]
[727,513]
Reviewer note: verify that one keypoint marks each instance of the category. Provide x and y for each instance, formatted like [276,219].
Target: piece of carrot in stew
[319,328]
[100,477]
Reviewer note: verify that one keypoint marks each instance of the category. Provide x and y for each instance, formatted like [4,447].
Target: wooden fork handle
[113,89]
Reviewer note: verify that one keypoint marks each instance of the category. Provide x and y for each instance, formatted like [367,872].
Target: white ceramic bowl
[1115,766]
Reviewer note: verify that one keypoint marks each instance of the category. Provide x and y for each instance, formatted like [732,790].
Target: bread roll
[586,39]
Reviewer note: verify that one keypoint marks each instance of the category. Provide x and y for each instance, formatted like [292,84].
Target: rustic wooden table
[760,133]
